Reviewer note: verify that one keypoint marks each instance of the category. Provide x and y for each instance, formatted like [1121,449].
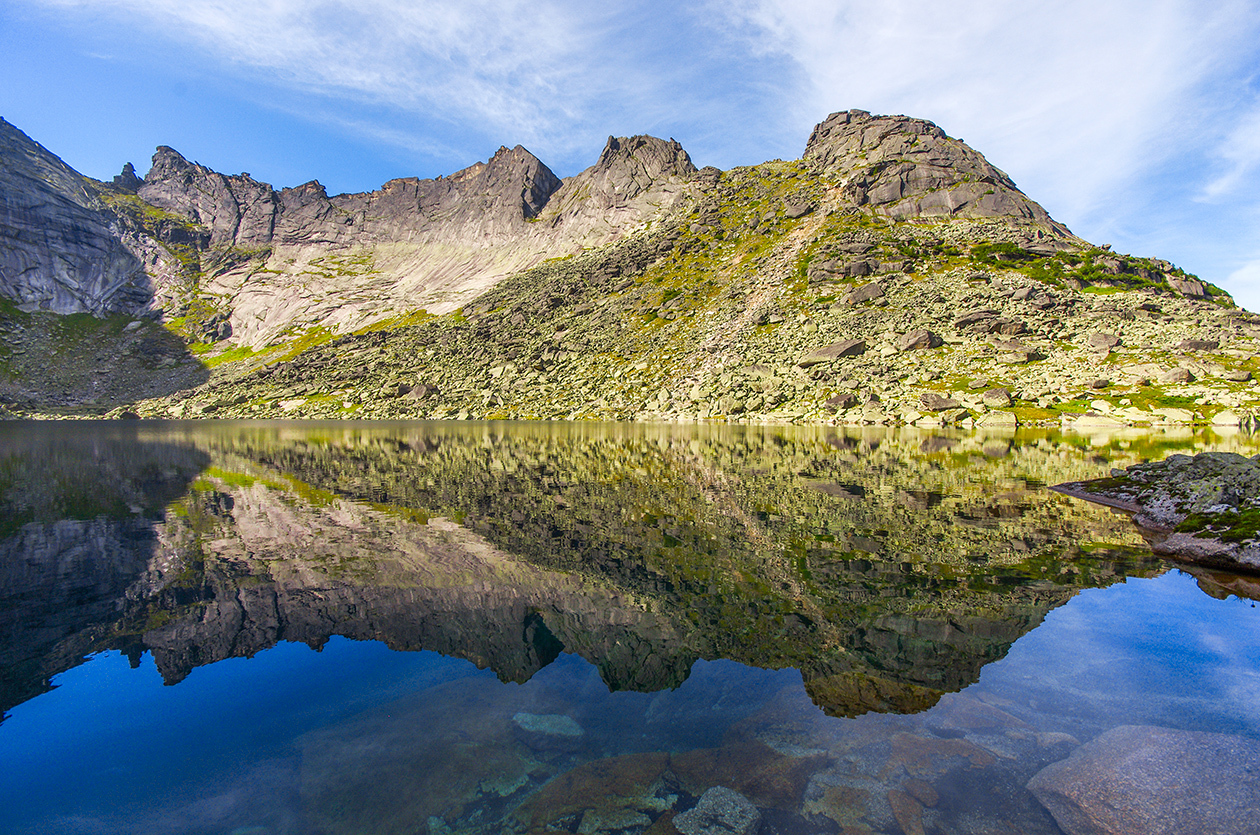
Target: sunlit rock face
[884,576]
[907,167]
[415,243]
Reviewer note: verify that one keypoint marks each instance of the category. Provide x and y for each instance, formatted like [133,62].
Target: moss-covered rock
[1204,509]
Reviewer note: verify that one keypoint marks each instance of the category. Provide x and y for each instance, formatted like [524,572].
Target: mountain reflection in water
[888,568]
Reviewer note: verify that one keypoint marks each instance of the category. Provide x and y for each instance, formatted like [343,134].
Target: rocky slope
[891,275]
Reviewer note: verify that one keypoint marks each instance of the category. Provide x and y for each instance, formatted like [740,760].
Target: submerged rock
[721,811]
[1143,780]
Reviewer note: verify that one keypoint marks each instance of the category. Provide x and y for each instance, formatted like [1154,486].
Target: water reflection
[887,575]
[873,572]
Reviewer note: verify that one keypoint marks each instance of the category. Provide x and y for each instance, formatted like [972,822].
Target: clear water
[291,628]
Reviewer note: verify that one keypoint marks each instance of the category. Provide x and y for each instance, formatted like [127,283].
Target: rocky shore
[1203,509]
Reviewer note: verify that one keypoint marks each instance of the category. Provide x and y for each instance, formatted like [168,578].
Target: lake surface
[256,628]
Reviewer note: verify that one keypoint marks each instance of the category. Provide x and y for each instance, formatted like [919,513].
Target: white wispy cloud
[507,65]
[1075,98]
[1239,153]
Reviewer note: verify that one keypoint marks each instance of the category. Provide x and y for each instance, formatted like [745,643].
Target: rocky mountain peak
[236,209]
[905,167]
[513,171]
[630,165]
[128,180]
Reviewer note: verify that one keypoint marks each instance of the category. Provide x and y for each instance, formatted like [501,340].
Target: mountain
[892,274]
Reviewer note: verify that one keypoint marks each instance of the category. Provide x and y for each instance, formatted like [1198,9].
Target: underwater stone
[552,724]
[721,811]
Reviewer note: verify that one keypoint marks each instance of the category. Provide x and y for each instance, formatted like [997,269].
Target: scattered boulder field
[891,275]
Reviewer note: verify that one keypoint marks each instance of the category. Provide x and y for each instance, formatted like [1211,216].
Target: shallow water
[322,627]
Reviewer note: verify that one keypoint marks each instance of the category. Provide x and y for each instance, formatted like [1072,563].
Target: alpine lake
[427,627]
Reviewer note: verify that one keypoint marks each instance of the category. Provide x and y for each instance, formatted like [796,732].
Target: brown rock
[1177,375]
[936,402]
[929,756]
[907,811]
[847,348]
[766,777]
[1143,780]
[922,791]
[918,340]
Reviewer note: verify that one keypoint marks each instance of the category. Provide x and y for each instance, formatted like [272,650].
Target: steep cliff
[344,262]
[903,167]
[63,248]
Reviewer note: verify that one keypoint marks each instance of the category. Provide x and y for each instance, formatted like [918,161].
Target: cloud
[1246,279]
[1074,98]
[501,64]
[1239,152]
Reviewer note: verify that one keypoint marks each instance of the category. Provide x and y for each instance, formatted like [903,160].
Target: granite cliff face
[903,167]
[304,259]
[64,249]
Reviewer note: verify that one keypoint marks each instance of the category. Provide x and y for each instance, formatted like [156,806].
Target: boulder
[720,811]
[847,348]
[1198,345]
[1102,341]
[996,398]
[975,317]
[918,340]
[865,293]
[1144,780]
[988,321]
[841,402]
[794,209]
[998,420]
[1177,375]
[932,401]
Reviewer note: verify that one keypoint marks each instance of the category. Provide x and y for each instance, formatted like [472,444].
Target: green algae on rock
[1203,509]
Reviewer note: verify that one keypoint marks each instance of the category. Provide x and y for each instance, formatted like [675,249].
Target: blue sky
[1135,122]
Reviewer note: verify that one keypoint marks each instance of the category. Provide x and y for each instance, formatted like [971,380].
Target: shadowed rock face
[77,517]
[640,554]
[62,249]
